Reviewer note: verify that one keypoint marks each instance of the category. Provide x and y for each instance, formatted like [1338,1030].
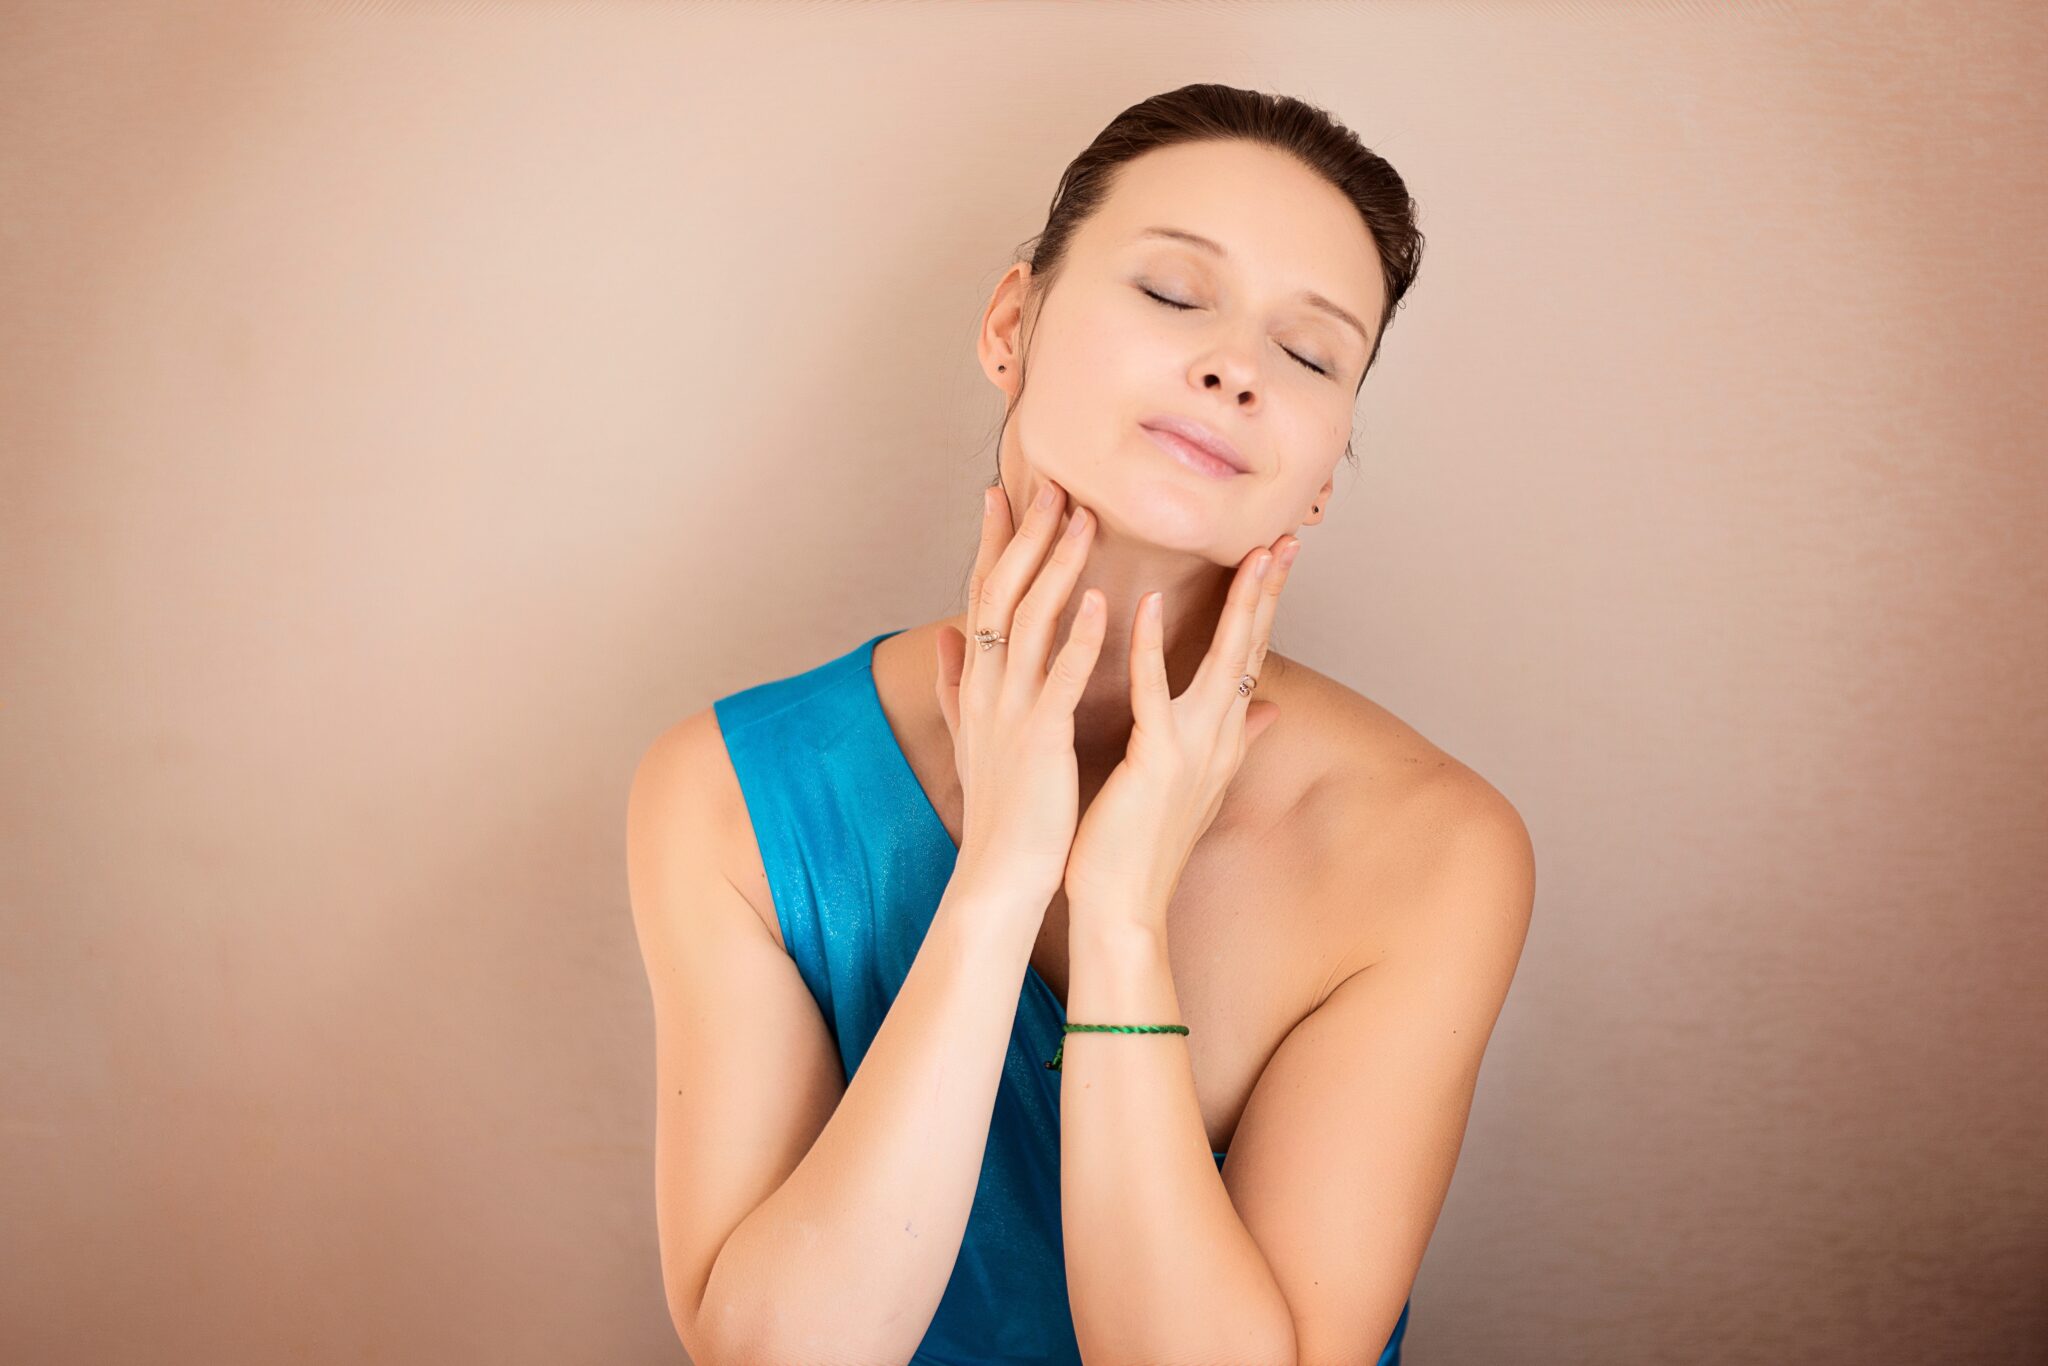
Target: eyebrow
[1307,295]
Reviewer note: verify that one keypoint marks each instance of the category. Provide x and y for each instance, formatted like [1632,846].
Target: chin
[1147,505]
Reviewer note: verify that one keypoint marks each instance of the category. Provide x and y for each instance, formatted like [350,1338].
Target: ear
[1321,505]
[1000,323]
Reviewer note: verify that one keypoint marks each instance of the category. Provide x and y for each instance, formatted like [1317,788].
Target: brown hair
[1208,112]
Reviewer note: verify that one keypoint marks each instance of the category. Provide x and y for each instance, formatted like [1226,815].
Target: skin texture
[1351,1118]
[1342,934]
[1103,356]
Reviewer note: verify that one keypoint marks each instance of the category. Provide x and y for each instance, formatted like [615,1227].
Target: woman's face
[1249,356]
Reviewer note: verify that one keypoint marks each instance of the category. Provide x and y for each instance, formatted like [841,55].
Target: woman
[882,901]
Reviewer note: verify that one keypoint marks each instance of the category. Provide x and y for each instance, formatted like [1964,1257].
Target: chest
[1255,940]
[1252,945]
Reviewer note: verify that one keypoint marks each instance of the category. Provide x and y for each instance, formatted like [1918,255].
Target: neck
[1196,590]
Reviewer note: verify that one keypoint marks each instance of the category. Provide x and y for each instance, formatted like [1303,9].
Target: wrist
[1114,913]
[1117,937]
[989,913]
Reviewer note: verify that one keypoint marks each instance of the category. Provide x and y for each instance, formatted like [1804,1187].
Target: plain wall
[409,411]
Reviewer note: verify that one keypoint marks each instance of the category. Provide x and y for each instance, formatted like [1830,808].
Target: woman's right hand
[1011,714]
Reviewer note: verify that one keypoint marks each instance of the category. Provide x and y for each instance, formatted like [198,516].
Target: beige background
[408,410]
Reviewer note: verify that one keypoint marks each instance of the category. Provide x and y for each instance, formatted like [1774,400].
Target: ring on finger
[990,639]
[1245,685]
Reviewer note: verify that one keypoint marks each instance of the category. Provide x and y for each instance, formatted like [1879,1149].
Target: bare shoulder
[1412,834]
[685,781]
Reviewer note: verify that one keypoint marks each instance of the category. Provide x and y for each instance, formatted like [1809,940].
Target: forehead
[1285,227]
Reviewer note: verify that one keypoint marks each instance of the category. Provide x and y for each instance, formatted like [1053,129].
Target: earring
[1002,367]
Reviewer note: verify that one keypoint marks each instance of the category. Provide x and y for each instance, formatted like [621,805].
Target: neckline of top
[908,774]
[901,766]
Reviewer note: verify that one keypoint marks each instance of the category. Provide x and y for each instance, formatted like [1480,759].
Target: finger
[1151,695]
[995,535]
[1075,663]
[1036,618]
[1259,717]
[950,645]
[1216,679]
[1014,570]
[1268,608]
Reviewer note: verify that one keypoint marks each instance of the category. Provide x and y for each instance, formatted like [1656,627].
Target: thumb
[951,647]
[1258,719]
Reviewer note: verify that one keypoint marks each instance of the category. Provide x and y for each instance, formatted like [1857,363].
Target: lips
[1207,439]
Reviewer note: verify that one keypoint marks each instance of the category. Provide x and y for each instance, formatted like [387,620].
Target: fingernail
[1045,496]
[1265,563]
[1289,551]
[1077,523]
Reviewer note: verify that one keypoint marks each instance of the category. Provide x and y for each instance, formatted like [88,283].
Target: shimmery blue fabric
[857,860]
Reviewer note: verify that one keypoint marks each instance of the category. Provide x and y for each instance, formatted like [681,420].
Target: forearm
[1159,1266]
[848,1259]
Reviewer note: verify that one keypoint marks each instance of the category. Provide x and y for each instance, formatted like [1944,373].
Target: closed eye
[1175,303]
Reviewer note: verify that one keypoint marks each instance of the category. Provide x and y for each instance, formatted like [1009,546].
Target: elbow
[718,1335]
[717,1330]
[1276,1348]
[687,1319]
[748,1313]
[721,1333]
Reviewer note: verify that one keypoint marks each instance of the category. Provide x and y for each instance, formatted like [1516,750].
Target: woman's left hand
[1138,832]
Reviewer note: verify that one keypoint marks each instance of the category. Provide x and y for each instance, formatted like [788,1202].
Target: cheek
[1096,376]
[1109,351]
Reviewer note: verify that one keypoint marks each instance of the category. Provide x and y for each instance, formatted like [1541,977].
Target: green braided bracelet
[1054,1065]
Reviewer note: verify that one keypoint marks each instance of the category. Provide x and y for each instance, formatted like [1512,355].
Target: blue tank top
[857,860]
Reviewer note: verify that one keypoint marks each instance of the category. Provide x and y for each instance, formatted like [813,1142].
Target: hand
[1012,720]
[1128,853]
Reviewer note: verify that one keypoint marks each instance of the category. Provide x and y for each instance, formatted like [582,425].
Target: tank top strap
[857,860]
[854,878]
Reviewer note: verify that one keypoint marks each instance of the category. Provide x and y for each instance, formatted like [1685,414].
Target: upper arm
[1345,1150]
[746,1070]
